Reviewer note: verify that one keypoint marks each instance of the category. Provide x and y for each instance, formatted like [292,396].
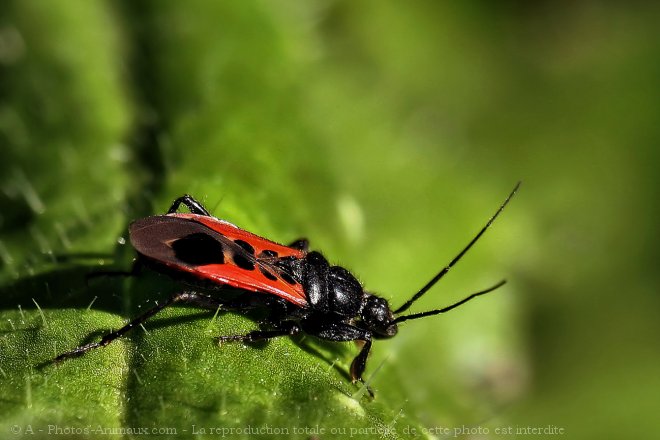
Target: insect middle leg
[302,244]
[285,329]
[136,268]
[194,298]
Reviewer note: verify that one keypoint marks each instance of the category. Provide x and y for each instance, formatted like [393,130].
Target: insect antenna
[448,308]
[444,271]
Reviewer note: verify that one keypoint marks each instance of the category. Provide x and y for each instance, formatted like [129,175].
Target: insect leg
[193,205]
[186,296]
[333,331]
[135,270]
[301,244]
[286,329]
[360,362]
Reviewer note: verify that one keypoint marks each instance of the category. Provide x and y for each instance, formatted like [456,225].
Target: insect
[299,288]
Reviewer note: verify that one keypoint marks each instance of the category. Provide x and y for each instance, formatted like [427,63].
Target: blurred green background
[386,132]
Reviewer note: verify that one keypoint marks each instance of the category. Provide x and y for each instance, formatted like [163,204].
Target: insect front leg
[340,332]
[199,300]
[193,205]
[360,362]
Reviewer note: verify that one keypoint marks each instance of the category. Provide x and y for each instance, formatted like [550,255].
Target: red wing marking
[154,238]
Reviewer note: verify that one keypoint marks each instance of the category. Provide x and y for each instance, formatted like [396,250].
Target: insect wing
[232,231]
[218,251]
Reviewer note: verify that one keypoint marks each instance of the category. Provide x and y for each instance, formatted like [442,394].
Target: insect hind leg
[194,298]
[193,205]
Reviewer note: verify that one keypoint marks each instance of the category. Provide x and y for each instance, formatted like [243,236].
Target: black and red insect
[299,289]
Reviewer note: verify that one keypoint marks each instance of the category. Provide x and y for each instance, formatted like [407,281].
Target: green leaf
[110,112]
